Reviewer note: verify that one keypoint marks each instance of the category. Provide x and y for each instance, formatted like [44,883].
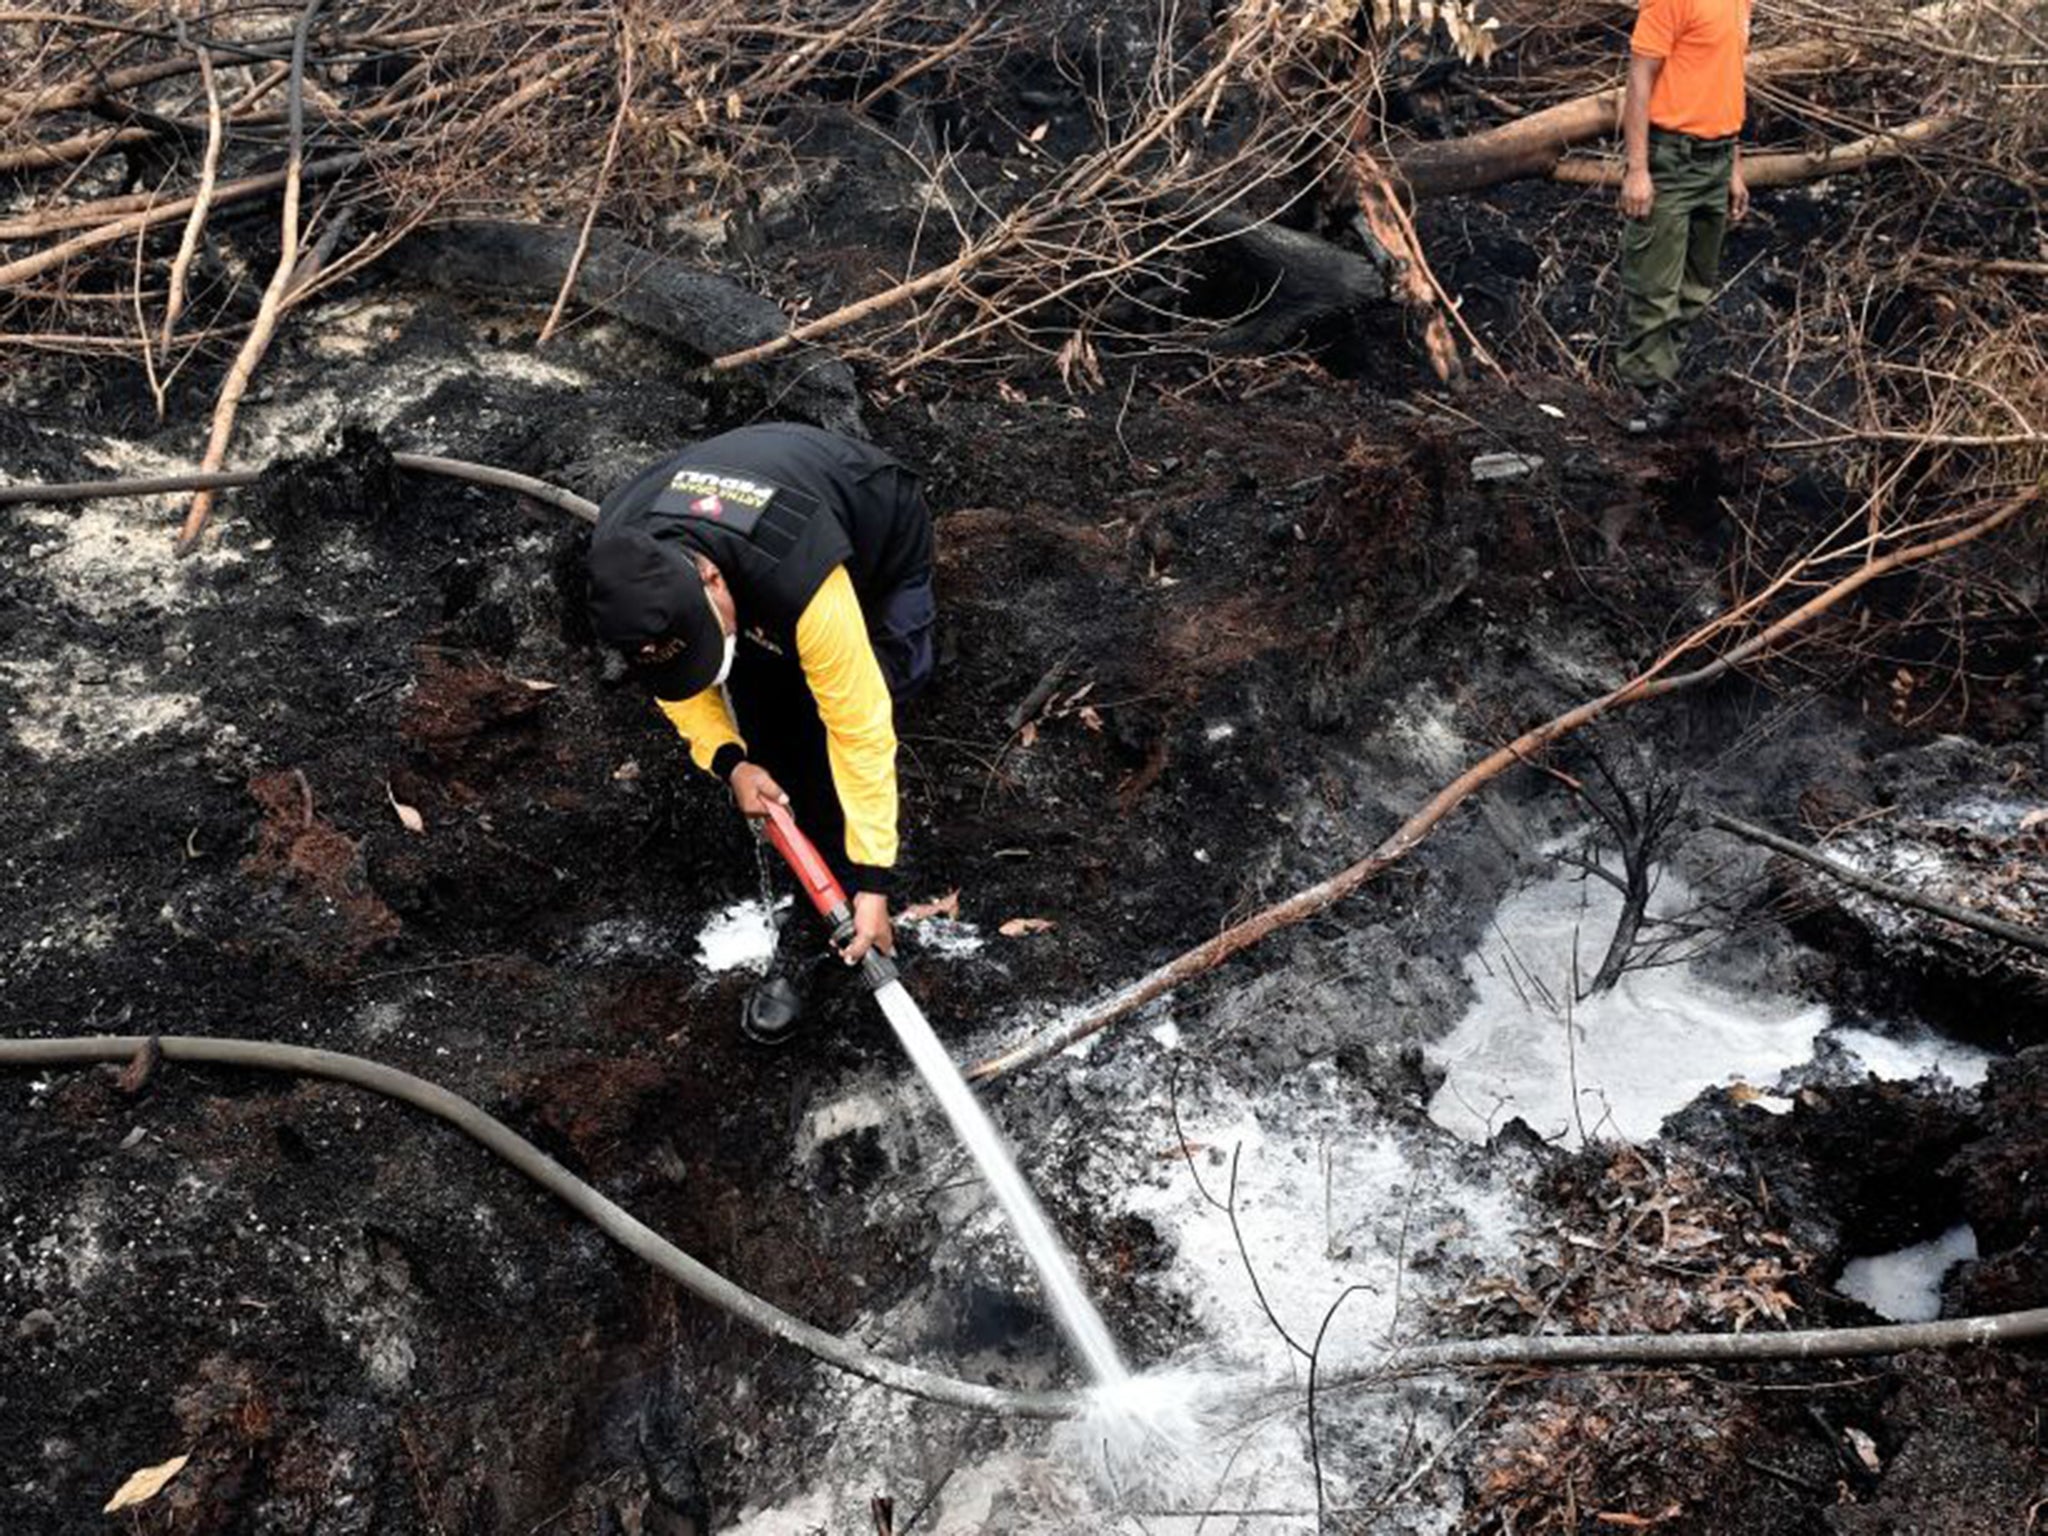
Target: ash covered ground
[1283,615]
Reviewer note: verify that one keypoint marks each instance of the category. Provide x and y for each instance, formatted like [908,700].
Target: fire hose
[822,889]
[635,1236]
[610,1218]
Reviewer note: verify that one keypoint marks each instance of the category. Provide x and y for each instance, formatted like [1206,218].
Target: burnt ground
[1283,613]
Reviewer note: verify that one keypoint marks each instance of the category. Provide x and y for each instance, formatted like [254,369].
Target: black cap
[646,590]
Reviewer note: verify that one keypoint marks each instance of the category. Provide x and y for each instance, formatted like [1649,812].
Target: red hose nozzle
[803,858]
[820,885]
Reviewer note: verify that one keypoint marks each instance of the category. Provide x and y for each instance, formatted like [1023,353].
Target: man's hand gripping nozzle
[821,888]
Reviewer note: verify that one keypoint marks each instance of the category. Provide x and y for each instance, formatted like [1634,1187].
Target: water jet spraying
[1076,1314]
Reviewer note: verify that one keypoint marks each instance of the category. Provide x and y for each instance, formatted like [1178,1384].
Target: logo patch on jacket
[732,501]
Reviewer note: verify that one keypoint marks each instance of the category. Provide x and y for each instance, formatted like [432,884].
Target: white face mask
[732,644]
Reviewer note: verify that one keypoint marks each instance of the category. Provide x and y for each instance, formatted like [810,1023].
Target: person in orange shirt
[1681,120]
[773,588]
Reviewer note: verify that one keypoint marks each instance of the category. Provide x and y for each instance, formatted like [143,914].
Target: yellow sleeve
[860,729]
[704,723]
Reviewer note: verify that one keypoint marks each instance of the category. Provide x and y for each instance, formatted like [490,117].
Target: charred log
[707,315]
[1303,284]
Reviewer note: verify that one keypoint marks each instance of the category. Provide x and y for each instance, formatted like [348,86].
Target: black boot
[797,989]
[773,1011]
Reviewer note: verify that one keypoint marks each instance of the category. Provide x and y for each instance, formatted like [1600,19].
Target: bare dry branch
[275,296]
[1655,681]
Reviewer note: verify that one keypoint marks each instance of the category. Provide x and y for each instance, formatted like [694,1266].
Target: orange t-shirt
[1702,44]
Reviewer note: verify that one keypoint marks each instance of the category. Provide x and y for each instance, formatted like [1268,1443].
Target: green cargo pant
[1671,261]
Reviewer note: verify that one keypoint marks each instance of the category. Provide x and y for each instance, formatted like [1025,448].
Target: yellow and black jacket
[813,532]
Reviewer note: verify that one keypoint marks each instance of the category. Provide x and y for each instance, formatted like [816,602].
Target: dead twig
[604,170]
[1691,1348]
[276,296]
[202,200]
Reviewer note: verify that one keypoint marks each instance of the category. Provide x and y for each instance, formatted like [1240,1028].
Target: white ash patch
[531,368]
[77,706]
[107,557]
[1972,854]
[1424,731]
[944,938]
[380,1020]
[113,554]
[360,384]
[86,935]
[623,938]
[49,1265]
[371,1307]
[861,1110]
[365,388]
[892,1112]
[359,327]
[1993,814]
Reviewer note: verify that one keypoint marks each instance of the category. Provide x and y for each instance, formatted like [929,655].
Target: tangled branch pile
[130,127]
[543,110]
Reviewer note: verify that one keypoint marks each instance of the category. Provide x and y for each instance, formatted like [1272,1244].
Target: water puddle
[1330,1213]
[1613,1065]
[1907,1058]
[1905,1286]
[742,936]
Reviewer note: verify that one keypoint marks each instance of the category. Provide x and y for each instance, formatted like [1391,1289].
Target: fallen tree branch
[80,146]
[240,190]
[1997,928]
[1785,170]
[1653,683]
[19,106]
[1084,181]
[1681,1348]
[698,311]
[276,295]
[1415,280]
[421,463]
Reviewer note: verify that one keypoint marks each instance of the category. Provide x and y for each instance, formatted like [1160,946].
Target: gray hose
[611,1219]
[422,463]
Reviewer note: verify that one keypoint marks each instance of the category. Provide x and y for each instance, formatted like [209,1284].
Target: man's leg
[901,633]
[901,623]
[1706,229]
[1653,253]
